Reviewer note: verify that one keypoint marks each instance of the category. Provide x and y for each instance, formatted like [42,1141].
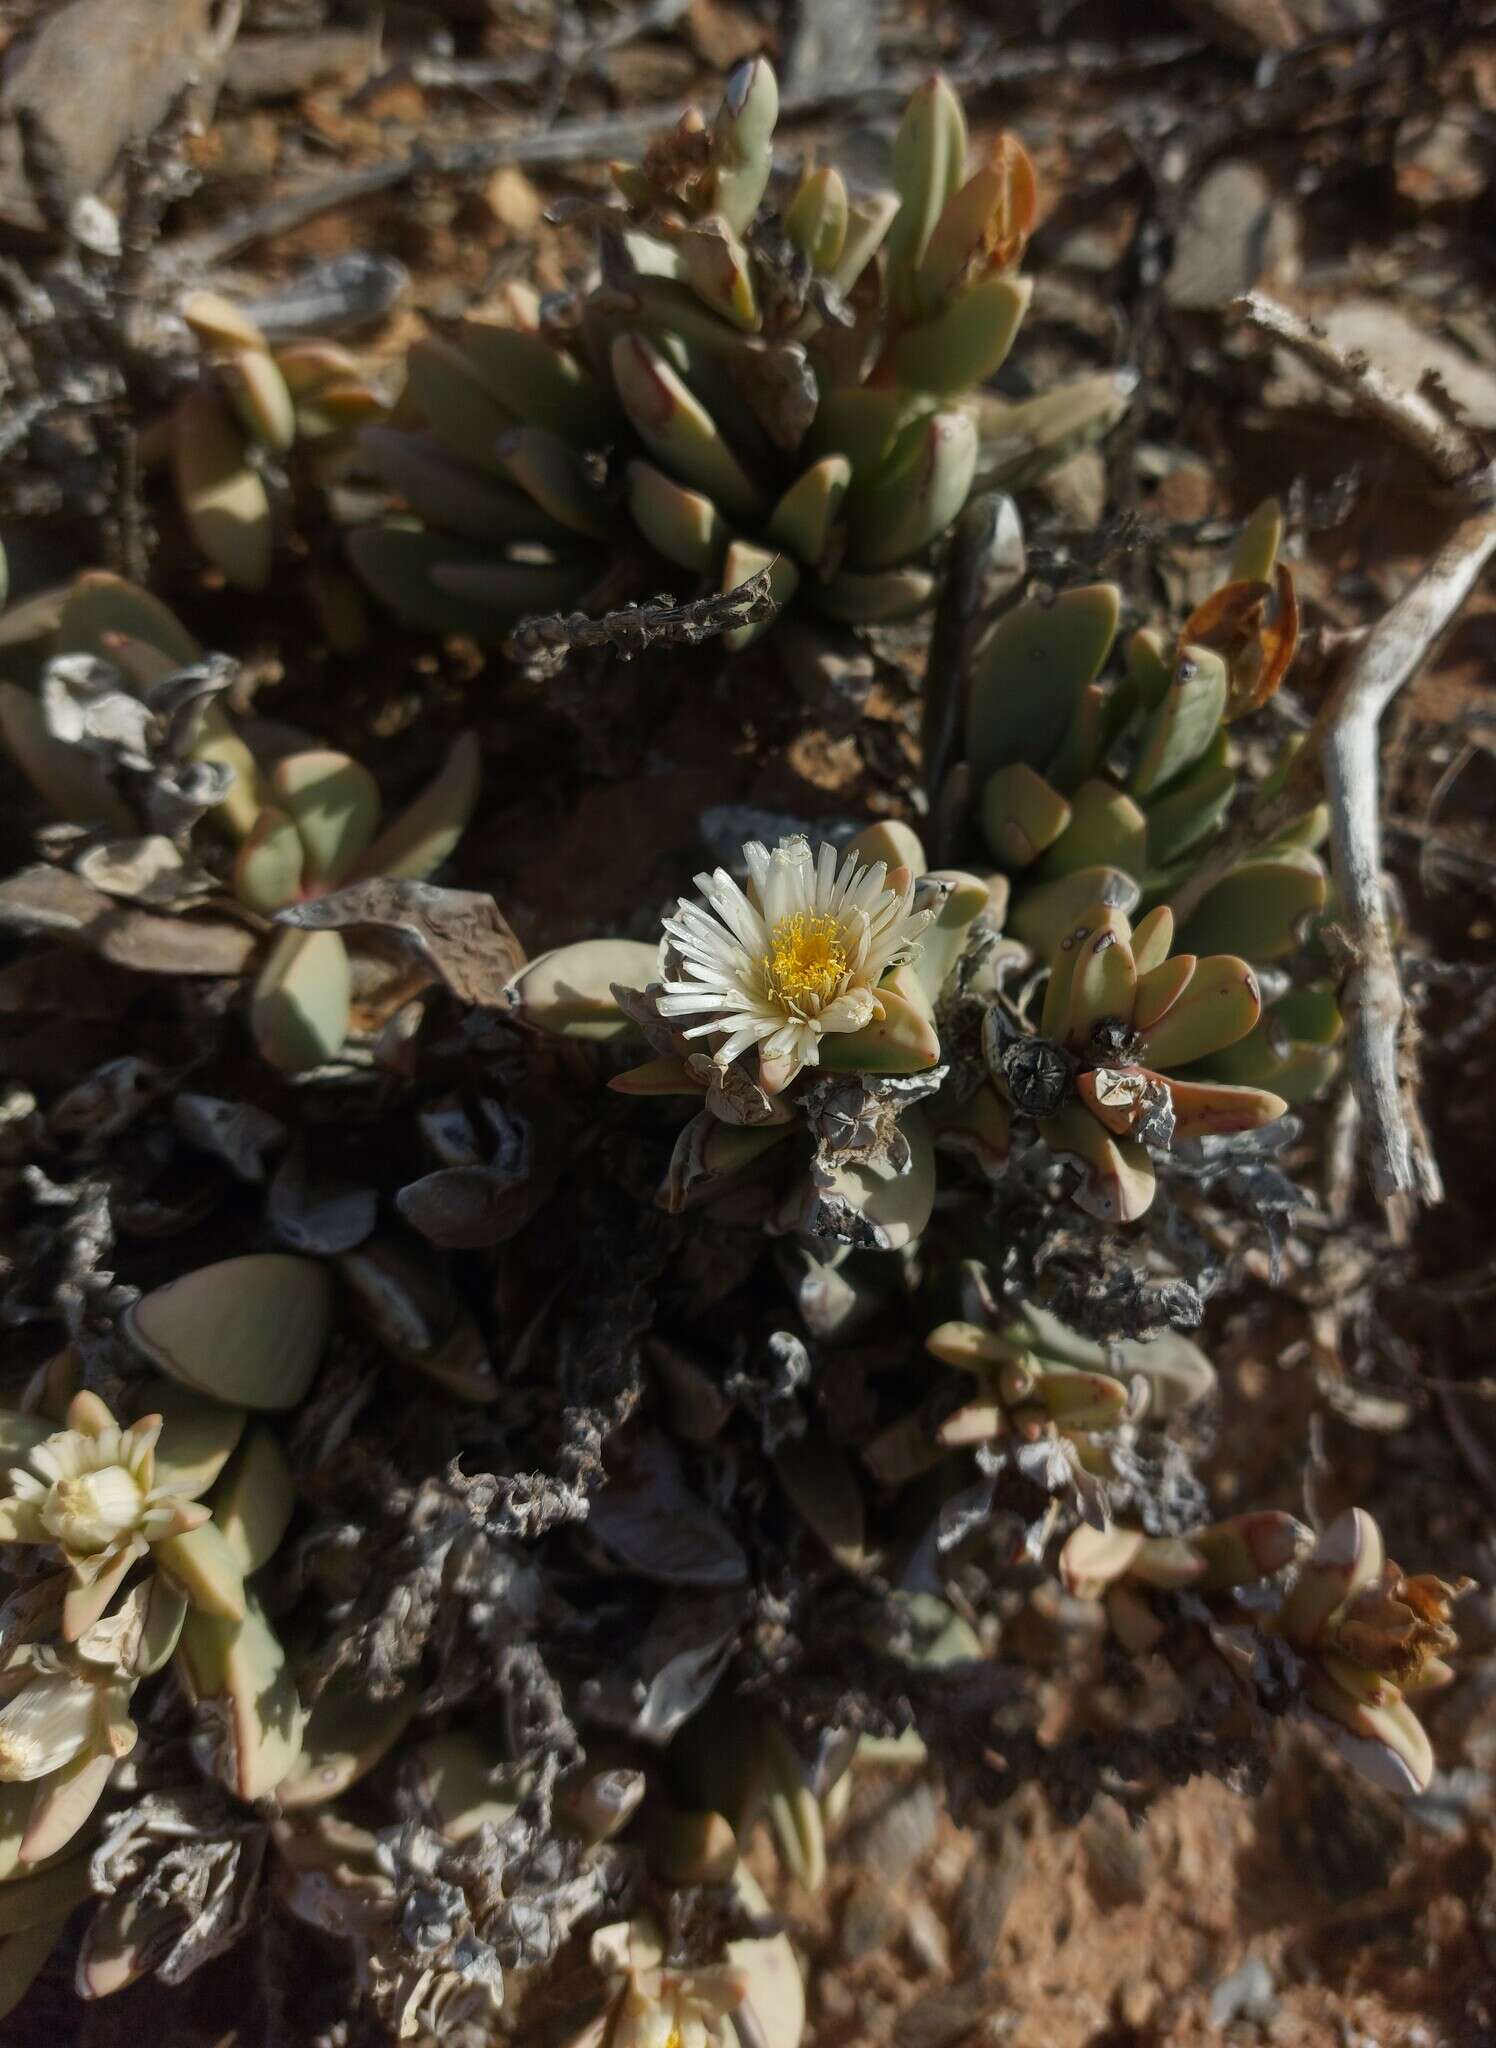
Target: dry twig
[553,144]
[1451,451]
[1343,749]
[1371,994]
[541,645]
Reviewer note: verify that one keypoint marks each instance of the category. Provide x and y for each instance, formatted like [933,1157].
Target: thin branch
[1451,451]
[1371,995]
[542,644]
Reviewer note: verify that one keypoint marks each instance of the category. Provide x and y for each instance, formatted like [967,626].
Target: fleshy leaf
[300,1007]
[223,497]
[247,1331]
[570,990]
[1029,678]
[1220,1004]
[252,1734]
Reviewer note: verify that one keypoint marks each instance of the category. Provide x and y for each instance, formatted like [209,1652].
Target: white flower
[48,1722]
[800,955]
[56,1715]
[651,2006]
[91,1489]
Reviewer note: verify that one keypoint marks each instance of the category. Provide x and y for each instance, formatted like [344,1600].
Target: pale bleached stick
[1371,994]
[1452,452]
[1344,745]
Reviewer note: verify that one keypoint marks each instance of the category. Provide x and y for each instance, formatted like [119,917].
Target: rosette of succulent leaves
[178,840]
[253,438]
[1347,1643]
[1090,804]
[766,374]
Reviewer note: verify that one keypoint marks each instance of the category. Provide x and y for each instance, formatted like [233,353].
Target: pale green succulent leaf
[457,402]
[543,386]
[967,342]
[254,1500]
[549,470]
[677,429]
[346,1734]
[453,494]
[257,391]
[1023,439]
[902,1041]
[742,143]
[682,525]
[205,1569]
[717,268]
[1021,814]
[223,498]
[1103,977]
[570,990]
[803,519]
[1106,829]
[817,219]
[929,165]
[198,1436]
[1260,908]
[1043,914]
[1184,725]
[1219,1004]
[268,866]
[247,1331]
[414,845]
[301,1002]
[100,605]
[240,1671]
[900,515]
[867,424]
[1255,555]
[869,218]
[1178,822]
[1029,678]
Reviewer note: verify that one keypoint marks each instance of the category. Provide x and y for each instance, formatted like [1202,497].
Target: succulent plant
[1086,791]
[91,1489]
[763,377]
[126,735]
[732,1765]
[1123,1566]
[1371,1636]
[230,438]
[1362,1635]
[105,1500]
[1101,1078]
[819,985]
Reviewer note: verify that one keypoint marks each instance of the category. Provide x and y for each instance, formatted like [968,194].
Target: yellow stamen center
[806,958]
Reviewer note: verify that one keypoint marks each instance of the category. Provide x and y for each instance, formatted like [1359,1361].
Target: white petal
[735,911]
[849,1012]
[756,857]
[826,876]
[45,1726]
